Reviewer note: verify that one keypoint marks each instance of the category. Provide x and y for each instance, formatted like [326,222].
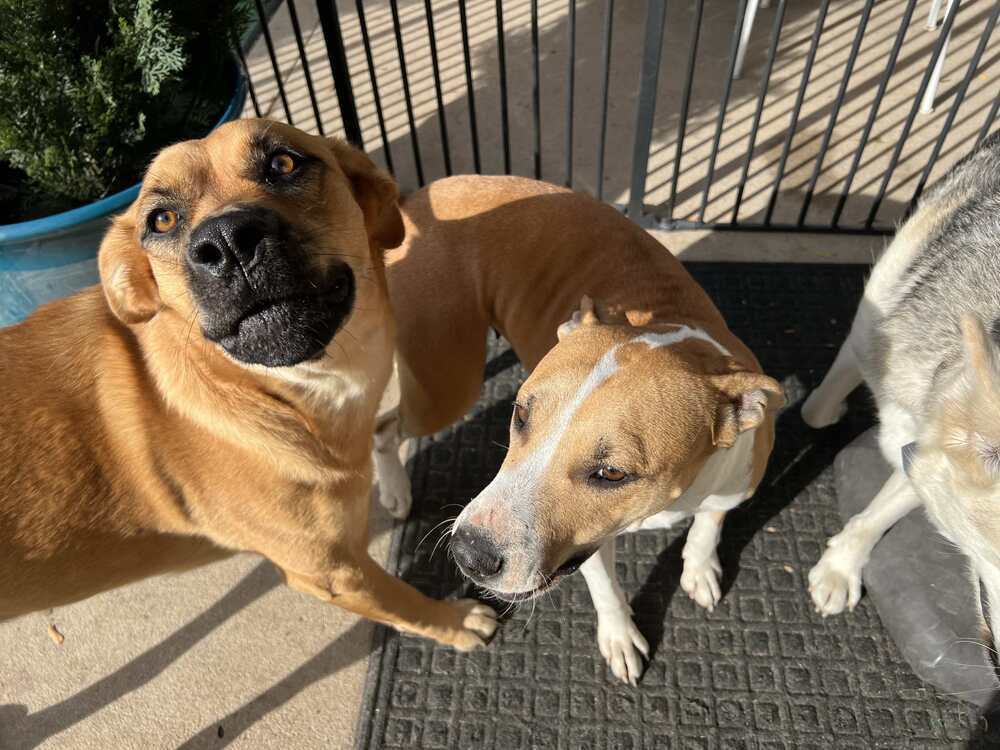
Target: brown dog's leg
[363,587]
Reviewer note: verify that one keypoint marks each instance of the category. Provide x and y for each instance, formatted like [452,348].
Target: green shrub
[90,89]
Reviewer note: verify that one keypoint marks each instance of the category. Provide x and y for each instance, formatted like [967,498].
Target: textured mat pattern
[762,671]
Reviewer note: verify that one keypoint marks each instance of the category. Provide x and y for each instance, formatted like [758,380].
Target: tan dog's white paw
[834,585]
[817,414]
[701,581]
[621,644]
[479,623]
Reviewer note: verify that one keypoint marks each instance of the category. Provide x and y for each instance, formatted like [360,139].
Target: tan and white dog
[641,410]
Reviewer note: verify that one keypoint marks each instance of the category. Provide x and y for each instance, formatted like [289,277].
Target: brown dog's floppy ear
[126,276]
[744,400]
[375,191]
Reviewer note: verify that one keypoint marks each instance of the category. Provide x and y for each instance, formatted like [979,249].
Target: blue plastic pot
[47,258]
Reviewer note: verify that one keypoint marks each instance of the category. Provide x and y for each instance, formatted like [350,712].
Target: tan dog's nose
[223,244]
[476,553]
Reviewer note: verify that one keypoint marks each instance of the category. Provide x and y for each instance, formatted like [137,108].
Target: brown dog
[217,391]
[642,408]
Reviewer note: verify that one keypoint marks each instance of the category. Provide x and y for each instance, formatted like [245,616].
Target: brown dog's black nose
[221,244]
[475,553]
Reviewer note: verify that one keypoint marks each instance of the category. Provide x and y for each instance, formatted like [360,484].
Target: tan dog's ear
[745,398]
[585,316]
[375,191]
[639,318]
[126,275]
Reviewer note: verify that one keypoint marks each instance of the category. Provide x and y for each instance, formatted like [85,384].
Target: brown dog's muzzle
[259,294]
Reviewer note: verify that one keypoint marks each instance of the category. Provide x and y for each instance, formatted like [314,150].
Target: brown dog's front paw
[476,625]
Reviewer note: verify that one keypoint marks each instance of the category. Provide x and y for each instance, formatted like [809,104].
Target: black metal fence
[881,104]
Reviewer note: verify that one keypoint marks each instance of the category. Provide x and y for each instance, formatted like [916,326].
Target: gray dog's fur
[925,341]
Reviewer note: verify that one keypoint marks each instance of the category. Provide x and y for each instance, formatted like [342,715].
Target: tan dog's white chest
[721,485]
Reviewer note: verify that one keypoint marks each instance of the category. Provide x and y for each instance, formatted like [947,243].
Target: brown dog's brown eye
[610,474]
[282,164]
[164,221]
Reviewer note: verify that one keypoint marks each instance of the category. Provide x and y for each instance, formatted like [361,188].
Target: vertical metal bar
[890,67]
[386,149]
[779,18]
[949,21]
[609,11]
[437,86]
[469,87]
[502,59]
[989,121]
[838,101]
[536,105]
[570,82]
[269,43]
[797,108]
[394,7]
[685,103]
[238,46]
[963,87]
[330,23]
[656,15]
[296,29]
[714,154]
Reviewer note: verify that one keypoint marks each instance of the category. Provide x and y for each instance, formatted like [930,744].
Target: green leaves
[158,55]
[90,89]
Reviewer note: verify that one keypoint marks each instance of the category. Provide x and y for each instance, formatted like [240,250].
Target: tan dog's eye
[610,474]
[520,416]
[163,221]
[282,164]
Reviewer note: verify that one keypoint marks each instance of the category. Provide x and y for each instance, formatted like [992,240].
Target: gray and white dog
[926,340]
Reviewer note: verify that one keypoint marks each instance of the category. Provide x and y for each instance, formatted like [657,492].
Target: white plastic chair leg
[933,15]
[927,103]
[741,49]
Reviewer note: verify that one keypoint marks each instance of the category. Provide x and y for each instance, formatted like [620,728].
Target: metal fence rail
[823,128]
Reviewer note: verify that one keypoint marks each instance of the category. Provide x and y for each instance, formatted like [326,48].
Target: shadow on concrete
[327,662]
[19,729]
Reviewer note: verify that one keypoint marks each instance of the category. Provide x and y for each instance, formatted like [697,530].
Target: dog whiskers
[510,606]
[981,644]
[434,528]
[444,535]
[187,337]
[347,331]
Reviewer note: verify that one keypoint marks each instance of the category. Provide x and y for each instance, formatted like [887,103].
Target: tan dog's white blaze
[642,411]
[547,507]
[218,391]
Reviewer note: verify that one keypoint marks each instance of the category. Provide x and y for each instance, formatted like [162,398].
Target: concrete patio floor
[228,656]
